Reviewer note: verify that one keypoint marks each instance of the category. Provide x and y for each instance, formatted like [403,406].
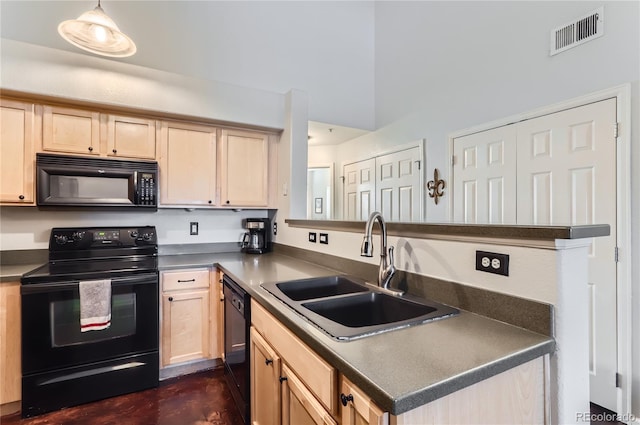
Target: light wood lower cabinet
[191,324]
[357,408]
[265,382]
[290,383]
[299,406]
[216,315]
[10,364]
[287,375]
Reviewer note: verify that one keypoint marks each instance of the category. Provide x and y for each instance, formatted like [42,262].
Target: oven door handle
[142,279]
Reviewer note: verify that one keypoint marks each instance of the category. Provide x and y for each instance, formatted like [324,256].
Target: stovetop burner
[96,253]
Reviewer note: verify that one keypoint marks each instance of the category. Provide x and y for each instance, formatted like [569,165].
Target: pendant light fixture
[95,32]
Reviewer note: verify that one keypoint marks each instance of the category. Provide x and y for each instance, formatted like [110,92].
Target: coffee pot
[257,239]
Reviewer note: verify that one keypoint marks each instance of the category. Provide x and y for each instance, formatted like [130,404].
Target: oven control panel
[76,239]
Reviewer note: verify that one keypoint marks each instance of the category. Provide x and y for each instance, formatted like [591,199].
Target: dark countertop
[461,230]
[399,370]
[402,369]
[13,272]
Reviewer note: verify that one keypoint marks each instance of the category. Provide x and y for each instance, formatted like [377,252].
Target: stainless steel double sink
[347,308]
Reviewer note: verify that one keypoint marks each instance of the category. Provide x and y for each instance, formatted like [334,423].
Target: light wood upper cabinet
[131,137]
[356,408]
[244,162]
[10,366]
[185,316]
[79,131]
[17,139]
[187,164]
[69,130]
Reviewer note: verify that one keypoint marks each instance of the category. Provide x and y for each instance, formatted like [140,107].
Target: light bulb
[99,33]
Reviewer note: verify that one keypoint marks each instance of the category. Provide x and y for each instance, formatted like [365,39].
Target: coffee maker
[257,239]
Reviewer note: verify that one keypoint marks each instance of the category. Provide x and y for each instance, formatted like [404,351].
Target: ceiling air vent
[577,32]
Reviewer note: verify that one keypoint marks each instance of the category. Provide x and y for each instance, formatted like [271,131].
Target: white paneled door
[567,175]
[557,169]
[398,185]
[485,177]
[359,189]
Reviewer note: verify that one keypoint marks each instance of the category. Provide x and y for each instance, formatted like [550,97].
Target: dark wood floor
[602,416]
[198,399]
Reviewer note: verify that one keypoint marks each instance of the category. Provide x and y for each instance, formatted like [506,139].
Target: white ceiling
[328,134]
[325,49]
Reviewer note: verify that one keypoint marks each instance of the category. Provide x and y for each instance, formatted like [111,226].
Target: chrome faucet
[387,269]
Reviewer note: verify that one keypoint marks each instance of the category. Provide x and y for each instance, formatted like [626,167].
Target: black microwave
[73,181]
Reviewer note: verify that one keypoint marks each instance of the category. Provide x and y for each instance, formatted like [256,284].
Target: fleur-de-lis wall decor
[436,186]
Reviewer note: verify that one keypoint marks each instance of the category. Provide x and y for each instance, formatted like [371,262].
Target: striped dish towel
[95,305]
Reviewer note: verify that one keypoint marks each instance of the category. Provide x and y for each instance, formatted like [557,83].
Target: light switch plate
[193,228]
[324,238]
[312,237]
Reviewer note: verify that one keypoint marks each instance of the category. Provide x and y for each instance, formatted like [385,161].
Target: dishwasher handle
[237,303]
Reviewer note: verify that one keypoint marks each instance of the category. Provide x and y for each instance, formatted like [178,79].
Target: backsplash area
[29,228]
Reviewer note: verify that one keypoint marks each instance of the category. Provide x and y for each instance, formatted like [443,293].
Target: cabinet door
[185,326]
[358,409]
[70,130]
[265,383]
[10,366]
[299,407]
[244,160]
[17,135]
[131,137]
[187,164]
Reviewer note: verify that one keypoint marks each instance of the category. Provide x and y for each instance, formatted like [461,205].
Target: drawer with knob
[185,279]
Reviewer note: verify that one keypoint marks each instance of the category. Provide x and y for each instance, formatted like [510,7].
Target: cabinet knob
[282,379]
[228,202]
[170,298]
[210,201]
[268,361]
[345,399]
[90,148]
[21,197]
[115,151]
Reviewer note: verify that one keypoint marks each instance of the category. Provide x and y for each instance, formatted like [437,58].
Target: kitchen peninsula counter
[402,369]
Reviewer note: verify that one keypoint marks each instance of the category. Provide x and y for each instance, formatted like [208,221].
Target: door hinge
[616,254]
[618,379]
[616,130]
[418,162]
[453,160]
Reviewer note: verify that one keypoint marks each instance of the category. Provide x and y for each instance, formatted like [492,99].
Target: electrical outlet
[193,228]
[275,228]
[491,262]
[324,238]
[312,237]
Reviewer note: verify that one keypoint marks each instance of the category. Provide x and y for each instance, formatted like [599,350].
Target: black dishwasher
[237,320]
